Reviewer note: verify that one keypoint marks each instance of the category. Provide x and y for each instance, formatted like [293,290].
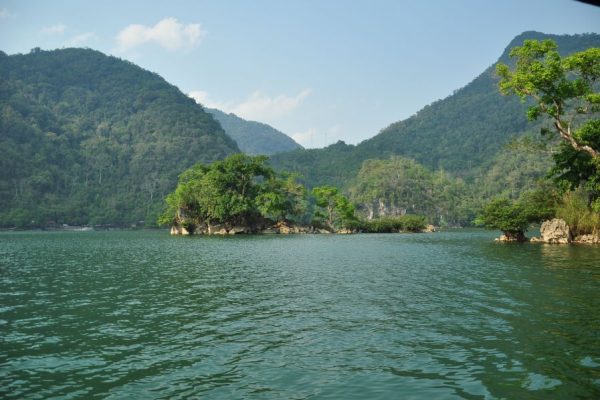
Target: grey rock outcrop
[555,231]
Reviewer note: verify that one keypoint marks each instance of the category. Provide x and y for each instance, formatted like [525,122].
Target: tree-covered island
[243,194]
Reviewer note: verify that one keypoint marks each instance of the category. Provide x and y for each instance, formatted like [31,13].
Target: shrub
[574,209]
[403,223]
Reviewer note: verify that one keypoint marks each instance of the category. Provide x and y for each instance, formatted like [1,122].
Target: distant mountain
[462,133]
[252,137]
[88,138]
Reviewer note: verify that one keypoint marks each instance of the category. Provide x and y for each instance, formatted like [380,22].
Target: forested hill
[461,133]
[253,137]
[88,138]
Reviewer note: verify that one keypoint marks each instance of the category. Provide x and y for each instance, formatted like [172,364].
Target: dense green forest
[253,137]
[92,139]
[243,194]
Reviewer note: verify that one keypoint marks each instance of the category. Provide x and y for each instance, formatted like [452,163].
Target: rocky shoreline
[555,231]
[280,228]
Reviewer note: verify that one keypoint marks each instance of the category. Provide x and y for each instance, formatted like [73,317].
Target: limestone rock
[236,230]
[285,229]
[429,229]
[216,230]
[587,239]
[179,230]
[556,231]
[511,238]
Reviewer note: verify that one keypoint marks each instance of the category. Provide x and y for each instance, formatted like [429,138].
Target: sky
[318,70]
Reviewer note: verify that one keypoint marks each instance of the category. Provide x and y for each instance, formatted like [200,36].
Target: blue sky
[320,71]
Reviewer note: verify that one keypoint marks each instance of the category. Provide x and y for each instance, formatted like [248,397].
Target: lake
[144,315]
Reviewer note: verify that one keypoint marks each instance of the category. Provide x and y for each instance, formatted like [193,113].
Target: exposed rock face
[221,229]
[512,237]
[429,229]
[587,239]
[555,231]
[238,229]
[382,208]
[179,230]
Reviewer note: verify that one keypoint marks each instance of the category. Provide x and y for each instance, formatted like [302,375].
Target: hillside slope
[88,138]
[253,137]
[462,133]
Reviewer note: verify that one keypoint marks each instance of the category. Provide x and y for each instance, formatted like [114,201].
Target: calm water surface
[143,315]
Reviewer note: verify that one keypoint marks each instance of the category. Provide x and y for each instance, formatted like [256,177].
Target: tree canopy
[564,89]
[240,190]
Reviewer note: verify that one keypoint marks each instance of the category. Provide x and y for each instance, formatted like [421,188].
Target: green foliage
[239,190]
[574,209]
[460,139]
[514,217]
[91,139]
[403,186]
[252,137]
[87,138]
[283,199]
[502,214]
[400,223]
[564,89]
[333,209]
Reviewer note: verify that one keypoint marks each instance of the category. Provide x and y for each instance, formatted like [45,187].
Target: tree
[508,217]
[514,217]
[239,190]
[282,198]
[333,208]
[566,90]
[563,88]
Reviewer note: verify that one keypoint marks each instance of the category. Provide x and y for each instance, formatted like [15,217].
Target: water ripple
[144,315]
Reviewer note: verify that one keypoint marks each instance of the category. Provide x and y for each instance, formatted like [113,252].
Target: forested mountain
[88,138]
[462,134]
[254,138]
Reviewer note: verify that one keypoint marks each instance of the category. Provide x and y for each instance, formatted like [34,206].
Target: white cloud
[202,97]
[54,29]
[168,33]
[305,138]
[261,107]
[257,107]
[79,40]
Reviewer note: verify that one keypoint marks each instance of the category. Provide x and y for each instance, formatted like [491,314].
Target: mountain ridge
[461,133]
[253,137]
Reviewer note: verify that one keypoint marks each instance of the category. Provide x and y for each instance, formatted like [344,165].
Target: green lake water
[143,315]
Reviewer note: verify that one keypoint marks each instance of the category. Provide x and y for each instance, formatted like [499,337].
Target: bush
[403,223]
[574,209]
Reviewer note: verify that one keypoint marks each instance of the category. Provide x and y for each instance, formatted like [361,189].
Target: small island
[243,194]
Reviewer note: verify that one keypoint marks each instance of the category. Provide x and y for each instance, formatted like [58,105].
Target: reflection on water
[445,315]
